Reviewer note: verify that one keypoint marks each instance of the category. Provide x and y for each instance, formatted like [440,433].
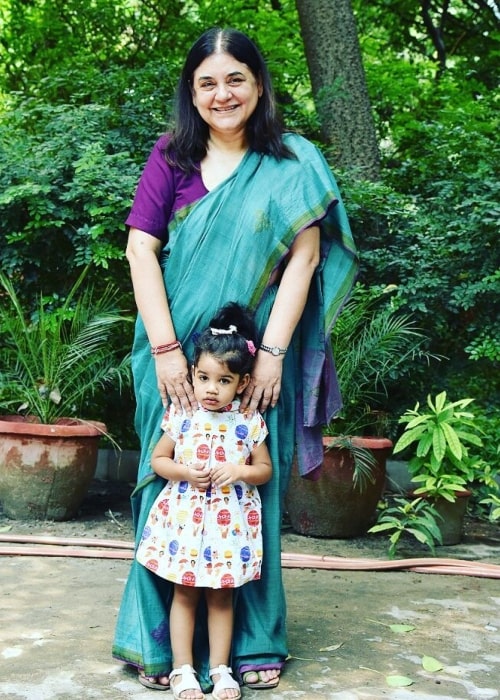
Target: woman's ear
[243,383]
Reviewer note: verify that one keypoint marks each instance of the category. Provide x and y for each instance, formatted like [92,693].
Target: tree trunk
[338,83]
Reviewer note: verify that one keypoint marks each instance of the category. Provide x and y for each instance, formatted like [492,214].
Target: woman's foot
[154,682]
[225,686]
[184,684]
[261,679]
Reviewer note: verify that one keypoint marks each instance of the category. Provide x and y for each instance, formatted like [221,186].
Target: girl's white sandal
[188,681]
[225,682]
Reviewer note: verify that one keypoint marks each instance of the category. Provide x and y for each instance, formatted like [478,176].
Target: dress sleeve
[172,422]
[154,198]
[258,430]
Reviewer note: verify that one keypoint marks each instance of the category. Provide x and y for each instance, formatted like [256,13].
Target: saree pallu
[225,247]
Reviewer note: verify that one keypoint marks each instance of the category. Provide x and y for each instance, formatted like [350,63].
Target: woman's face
[225,93]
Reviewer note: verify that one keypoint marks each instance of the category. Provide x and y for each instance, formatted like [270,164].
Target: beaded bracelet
[160,349]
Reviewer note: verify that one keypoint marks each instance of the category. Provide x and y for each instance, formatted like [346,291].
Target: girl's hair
[264,130]
[236,344]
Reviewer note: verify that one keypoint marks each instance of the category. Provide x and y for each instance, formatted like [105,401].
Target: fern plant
[373,345]
[54,360]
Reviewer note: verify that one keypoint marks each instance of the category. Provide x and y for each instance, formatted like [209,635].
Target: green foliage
[55,360]
[417,518]
[375,347]
[441,438]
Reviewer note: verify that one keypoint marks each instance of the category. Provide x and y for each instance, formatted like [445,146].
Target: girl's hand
[198,475]
[264,387]
[224,473]
[174,381]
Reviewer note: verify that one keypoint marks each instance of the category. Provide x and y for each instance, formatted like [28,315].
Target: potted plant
[443,465]
[373,345]
[52,362]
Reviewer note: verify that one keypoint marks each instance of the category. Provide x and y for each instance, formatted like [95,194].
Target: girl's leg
[182,621]
[220,635]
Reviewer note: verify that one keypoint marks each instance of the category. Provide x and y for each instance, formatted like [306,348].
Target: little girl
[203,532]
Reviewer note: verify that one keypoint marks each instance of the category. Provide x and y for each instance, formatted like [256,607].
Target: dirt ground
[57,617]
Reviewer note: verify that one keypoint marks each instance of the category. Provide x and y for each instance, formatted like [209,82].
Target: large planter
[332,506]
[45,470]
[453,515]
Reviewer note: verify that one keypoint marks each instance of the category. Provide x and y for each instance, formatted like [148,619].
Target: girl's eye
[224,381]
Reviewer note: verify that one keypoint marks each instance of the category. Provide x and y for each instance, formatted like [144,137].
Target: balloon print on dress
[253,518]
[203,452]
[207,554]
[146,532]
[197,515]
[173,547]
[239,491]
[185,425]
[220,454]
[245,554]
[223,517]
[188,579]
[227,581]
[241,431]
[163,506]
[183,486]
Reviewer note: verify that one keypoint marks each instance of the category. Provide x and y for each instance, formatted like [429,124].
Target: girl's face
[225,93]
[215,386]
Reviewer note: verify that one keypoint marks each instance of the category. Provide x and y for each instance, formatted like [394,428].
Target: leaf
[431,664]
[332,647]
[6,528]
[398,681]
[401,629]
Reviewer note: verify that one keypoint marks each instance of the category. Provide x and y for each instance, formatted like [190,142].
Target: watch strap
[274,350]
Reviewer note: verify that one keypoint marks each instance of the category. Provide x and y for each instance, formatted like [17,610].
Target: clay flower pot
[45,470]
[333,506]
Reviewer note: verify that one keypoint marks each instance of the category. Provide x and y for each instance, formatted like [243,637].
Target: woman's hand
[264,387]
[174,381]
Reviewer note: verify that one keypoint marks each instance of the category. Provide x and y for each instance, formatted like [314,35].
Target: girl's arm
[172,369]
[264,387]
[163,464]
[256,473]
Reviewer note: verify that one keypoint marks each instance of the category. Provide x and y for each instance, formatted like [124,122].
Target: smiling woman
[231,208]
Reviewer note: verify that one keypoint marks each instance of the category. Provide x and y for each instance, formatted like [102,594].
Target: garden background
[401,96]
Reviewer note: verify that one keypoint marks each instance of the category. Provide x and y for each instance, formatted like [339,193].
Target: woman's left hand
[264,387]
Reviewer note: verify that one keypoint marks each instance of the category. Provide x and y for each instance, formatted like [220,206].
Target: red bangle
[160,349]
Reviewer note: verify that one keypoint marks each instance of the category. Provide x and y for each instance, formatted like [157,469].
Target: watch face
[275,351]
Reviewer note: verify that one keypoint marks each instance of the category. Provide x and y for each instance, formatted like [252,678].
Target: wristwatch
[274,350]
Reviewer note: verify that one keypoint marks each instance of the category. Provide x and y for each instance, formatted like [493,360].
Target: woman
[230,208]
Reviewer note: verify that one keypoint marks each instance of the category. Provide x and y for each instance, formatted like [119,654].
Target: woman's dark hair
[235,344]
[264,129]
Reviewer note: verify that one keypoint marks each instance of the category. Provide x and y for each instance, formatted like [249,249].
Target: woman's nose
[223,92]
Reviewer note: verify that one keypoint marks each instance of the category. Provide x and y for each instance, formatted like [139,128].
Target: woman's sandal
[152,682]
[188,681]
[225,682]
[259,684]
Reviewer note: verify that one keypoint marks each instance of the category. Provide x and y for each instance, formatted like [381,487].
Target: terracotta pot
[45,470]
[332,506]
[453,514]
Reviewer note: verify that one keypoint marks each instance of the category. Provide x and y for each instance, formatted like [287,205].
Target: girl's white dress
[207,538]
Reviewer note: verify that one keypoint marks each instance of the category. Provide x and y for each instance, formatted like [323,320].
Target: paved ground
[57,617]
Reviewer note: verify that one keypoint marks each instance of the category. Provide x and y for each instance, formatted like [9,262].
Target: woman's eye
[235,81]
[207,85]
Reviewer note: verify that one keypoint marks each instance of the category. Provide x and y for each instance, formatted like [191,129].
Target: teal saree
[228,246]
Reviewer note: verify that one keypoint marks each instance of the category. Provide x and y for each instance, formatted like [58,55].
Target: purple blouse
[162,190]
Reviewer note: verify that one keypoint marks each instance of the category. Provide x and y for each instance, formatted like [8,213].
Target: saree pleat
[226,247]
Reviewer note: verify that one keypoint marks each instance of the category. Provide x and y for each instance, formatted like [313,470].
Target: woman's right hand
[174,381]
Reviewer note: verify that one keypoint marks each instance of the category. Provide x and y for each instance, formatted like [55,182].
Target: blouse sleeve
[154,198]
